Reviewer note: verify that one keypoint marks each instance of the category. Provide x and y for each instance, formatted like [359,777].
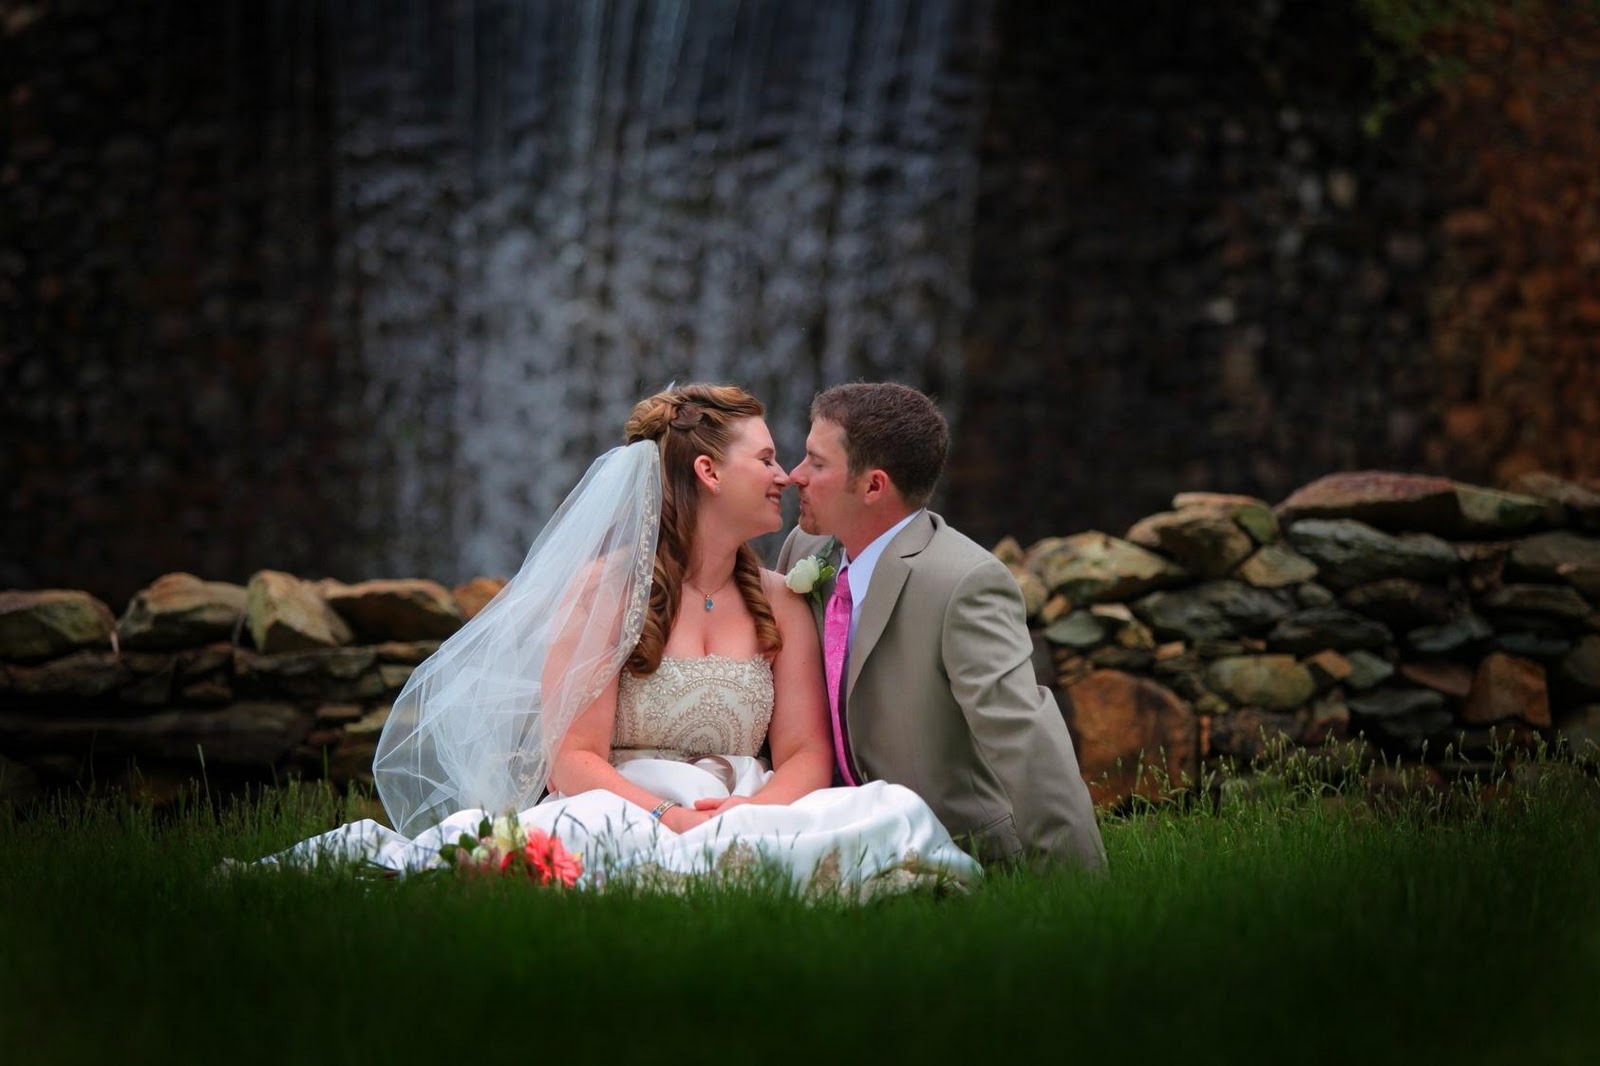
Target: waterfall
[546,211]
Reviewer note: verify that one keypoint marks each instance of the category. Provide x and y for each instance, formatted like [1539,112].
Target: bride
[636,667]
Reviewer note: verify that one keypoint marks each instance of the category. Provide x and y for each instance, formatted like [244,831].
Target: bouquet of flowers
[503,847]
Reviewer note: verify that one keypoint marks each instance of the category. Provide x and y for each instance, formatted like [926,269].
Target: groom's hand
[681,819]
[715,807]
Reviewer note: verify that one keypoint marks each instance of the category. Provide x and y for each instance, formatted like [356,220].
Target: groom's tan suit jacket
[940,697]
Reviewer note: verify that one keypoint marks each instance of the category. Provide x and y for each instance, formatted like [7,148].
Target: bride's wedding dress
[692,730]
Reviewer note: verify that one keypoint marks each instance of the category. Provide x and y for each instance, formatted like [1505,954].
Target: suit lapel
[888,578]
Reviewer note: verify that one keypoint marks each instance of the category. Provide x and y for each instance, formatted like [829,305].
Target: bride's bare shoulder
[773,585]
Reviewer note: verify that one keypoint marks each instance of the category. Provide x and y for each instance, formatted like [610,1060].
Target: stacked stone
[1422,614]
[283,676]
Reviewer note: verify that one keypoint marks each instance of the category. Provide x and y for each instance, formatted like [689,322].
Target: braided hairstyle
[689,421]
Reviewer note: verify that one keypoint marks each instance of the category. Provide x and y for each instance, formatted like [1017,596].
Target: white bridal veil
[478,722]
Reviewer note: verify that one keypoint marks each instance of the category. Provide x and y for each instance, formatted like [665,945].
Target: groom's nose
[797,475]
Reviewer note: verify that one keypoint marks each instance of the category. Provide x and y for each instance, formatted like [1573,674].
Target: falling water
[546,211]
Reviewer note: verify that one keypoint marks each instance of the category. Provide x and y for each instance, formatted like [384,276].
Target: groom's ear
[876,486]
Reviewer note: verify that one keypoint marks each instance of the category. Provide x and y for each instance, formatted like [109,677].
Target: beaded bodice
[713,705]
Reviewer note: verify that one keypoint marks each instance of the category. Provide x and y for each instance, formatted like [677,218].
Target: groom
[925,643]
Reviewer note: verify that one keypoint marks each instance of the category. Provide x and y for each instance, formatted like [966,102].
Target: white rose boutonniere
[807,575]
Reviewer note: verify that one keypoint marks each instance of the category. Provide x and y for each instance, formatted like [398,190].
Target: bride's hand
[714,807]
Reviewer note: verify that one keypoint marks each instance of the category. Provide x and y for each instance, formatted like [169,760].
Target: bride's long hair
[689,421]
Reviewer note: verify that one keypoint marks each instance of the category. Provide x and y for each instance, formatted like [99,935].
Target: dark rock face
[1158,188]
[364,298]
[1316,628]
[174,399]
[1350,553]
[367,297]
[1213,610]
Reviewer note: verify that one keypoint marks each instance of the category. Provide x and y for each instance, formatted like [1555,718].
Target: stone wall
[284,677]
[1424,618]
[1428,619]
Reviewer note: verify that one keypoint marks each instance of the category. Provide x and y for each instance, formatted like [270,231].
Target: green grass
[1283,928]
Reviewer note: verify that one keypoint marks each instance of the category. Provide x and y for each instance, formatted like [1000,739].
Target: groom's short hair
[890,427]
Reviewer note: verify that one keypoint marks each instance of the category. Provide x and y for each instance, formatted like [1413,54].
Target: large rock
[1451,636]
[287,614]
[395,610]
[1400,502]
[1532,645]
[1403,603]
[1269,682]
[1214,610]
[153,678]
[1492,513]
[179,611]
[1080,630]
[1418,503]
[1367,670]
[1316,628]
[331,674]
[1276,566]
[1406,716]
[1205,542]
[1350,553]
[1552,556]
[1545,601]
[83,675]
[1254,516]
[47,622]
[1581,502]
[1442,675]
[1092,566]
[1507,687]
[475,595]
[1396,702]
[1133,736]
[1329,668]
[1312,594]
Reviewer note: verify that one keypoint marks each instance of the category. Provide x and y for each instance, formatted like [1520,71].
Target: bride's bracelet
[662,808]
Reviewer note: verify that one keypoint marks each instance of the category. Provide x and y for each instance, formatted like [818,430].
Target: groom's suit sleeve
[784,553]
[1015,722]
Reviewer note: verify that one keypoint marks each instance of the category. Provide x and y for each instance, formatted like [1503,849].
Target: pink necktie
[835,644]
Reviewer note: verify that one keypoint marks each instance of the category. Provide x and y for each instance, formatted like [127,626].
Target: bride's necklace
[709,603]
